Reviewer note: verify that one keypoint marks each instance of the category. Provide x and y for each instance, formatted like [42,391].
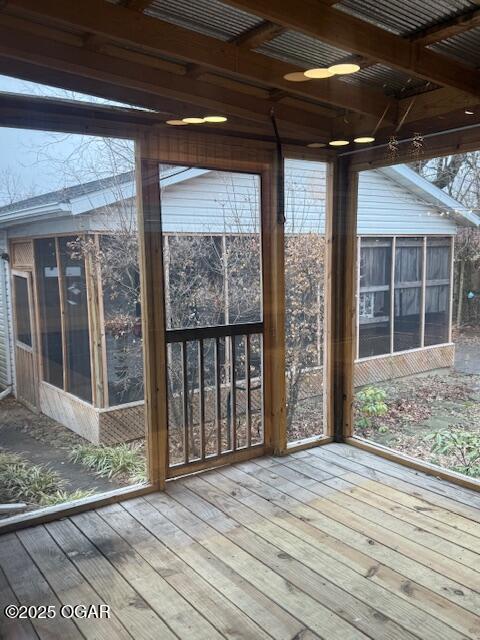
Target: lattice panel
[122,425]
[402,365]
[22,255]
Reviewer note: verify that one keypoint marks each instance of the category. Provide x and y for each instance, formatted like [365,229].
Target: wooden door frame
[221,154]
[33,350]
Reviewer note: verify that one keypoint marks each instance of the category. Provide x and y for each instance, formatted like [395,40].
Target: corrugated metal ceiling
[391,81]
[209,17]
[404,17]
[302,50]
[464,46]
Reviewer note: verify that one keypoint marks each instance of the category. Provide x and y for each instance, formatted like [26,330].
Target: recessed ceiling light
[215,119]
[338,143]
[320,72]
[364,139]
[343,69]
[193,120]
[316,145]
[176,123]
[296,76]
[469,112]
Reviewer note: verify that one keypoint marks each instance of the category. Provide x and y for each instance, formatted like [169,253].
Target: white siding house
[393,203]
[6,350]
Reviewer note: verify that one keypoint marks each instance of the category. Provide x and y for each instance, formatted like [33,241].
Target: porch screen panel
[49,309]
[22,311]
[122,313]
[305,193]
[408,293]
[211,227]
[77,333]
[437,291]
[374,296]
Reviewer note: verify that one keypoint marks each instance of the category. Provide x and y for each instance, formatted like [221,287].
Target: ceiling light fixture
[296,76]
[193,120]
[319,72]
[344,69]
[469,112]
[215,119]
[364,139]
[316,145]
[176,123]
[338,143]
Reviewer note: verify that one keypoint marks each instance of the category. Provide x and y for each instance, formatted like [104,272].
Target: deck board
[330,543]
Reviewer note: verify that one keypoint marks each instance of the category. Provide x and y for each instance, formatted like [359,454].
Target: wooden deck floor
[333,543]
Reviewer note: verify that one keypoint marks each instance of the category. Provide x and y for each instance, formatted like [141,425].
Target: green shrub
[21,481]
[110,462]
[461,445]
[370,404]
[59,497]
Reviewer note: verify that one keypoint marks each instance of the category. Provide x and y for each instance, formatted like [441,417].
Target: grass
[123,460]
[36,485]
[23,482]
[60,496]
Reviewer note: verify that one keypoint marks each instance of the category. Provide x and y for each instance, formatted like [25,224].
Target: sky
[31,161]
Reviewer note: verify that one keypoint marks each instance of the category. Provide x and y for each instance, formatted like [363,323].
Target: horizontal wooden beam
[353,34]
[256,36]
[202,96]
[161,38]
[442,144]
[38,112]
[448,28]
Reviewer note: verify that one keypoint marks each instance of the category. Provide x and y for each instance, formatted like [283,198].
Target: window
[437,299]
[408,293]
[305,266]
[77,335]
[374,296]
[50,313]
[22,311]
[120,271]
[420,273]
[63,315]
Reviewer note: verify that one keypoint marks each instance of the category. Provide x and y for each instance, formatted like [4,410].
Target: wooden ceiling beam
[448,28]
[353,34]
[148,34]
[201,96]
[256,36]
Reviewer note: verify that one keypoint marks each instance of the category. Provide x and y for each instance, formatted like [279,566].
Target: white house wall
[5,320]
[388,208]
[219,201]
[384,206]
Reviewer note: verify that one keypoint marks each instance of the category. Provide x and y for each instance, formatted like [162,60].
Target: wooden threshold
[47,514]
[307,443]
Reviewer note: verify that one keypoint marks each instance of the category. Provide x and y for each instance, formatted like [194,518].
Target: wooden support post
[423,298]
[96,329]
[343,186]
[153,313]
[274,310]
[63,315]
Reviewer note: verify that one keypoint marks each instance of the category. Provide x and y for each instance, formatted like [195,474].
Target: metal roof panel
[464,47]
[210,17]
[300,49]
[404,17]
